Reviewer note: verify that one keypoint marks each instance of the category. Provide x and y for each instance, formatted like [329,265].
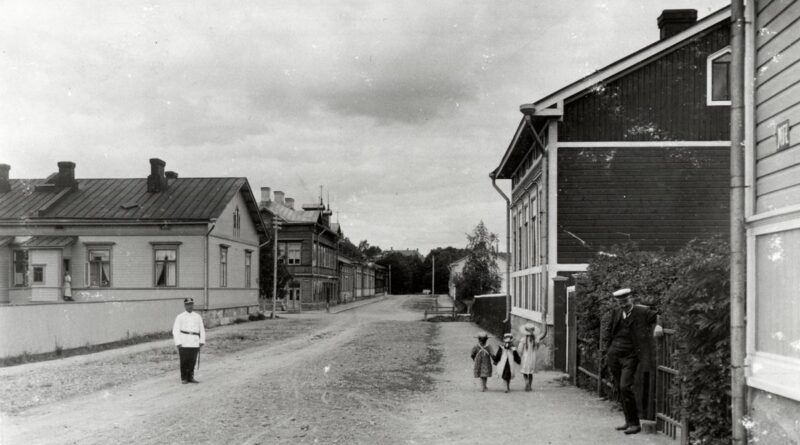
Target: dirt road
[372,375]
[337,384]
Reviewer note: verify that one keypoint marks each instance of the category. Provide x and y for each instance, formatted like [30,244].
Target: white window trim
[710,78]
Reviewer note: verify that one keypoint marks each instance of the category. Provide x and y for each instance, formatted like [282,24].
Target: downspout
[205,266]
[738,244]
[493,175]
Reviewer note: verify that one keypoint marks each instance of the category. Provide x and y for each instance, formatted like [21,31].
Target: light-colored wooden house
[772,104]
[130,250]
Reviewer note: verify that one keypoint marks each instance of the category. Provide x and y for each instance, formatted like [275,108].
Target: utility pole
[433,274]
[390,280]
[275,225]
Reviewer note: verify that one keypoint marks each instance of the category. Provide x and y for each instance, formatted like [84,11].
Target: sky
[399,110]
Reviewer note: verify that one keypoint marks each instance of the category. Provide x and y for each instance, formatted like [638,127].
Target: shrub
[691,288]
[699,310]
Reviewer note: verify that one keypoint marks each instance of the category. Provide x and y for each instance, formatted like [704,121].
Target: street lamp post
[275,225]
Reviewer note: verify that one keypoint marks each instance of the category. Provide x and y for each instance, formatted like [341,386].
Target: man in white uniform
[189,335]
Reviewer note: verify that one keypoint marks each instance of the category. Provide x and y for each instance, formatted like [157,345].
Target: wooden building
[309,248]
[87,261]
[772,105]
[636,151]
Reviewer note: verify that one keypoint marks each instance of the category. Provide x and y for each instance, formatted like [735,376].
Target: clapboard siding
[775,23]
[782,159]
[659,197]
[664,99]
[777,100]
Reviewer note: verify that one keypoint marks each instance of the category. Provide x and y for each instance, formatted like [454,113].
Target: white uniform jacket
[188,330]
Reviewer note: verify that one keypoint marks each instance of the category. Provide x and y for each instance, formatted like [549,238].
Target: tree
[266,263]
[406,278]
[444,257]
[369,252]
[480,275]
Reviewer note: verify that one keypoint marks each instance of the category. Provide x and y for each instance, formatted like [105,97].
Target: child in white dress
[527,348]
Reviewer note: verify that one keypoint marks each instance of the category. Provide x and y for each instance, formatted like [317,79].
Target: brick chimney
[66,175]
[5,184]
[675,21]
[290,203]
[266,195]
[279,197]
[157,181]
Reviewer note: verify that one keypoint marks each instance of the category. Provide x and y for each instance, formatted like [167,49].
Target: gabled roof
[551,106]
[290,215]
[125,199]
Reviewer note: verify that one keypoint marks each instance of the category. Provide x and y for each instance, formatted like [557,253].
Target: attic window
[129,205]
[718,71]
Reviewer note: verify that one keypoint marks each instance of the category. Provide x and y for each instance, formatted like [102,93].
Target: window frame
[166,246]
[89,262]
[710,78]
[223,265]
[248,268]
[43,280]
[25,262]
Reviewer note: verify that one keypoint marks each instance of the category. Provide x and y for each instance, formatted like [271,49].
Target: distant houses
[325,272]
[457,268]
[637,151]
[87,261]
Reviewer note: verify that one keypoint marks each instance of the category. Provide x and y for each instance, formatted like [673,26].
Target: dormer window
[718,72]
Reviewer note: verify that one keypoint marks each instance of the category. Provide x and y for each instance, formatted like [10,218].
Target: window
[237,223]
[99,267]
[248,257]
[20,268]
[38,274]
[718,91]
[293,253]
[166,266]
[223,266]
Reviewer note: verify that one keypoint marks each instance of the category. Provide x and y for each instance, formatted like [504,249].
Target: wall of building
[774,419]
[662,100]
[659,197]
[777,102]
[51,260]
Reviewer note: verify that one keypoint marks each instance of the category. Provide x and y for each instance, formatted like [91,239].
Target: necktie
[626,314]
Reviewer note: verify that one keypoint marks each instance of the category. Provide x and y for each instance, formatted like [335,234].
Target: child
[528,346]
[482,356]
[507,359]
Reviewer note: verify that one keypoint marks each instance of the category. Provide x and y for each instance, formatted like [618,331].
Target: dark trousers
[623,368]
[188,358]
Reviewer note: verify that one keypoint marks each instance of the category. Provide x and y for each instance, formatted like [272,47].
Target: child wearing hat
[482,356]
[507,359]
[528,345]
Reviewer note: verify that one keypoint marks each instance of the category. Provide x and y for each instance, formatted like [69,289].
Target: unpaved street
[376,374]
[339,382]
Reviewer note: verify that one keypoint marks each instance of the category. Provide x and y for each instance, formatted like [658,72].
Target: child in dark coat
[482,356]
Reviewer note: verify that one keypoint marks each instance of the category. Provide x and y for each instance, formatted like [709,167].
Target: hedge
[691,288]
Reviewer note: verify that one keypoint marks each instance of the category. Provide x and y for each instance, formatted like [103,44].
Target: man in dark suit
[629,340]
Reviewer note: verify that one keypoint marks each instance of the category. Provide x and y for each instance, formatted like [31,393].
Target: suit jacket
[643,320]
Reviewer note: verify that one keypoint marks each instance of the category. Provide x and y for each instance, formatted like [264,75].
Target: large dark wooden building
[308,247]
[636,151]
